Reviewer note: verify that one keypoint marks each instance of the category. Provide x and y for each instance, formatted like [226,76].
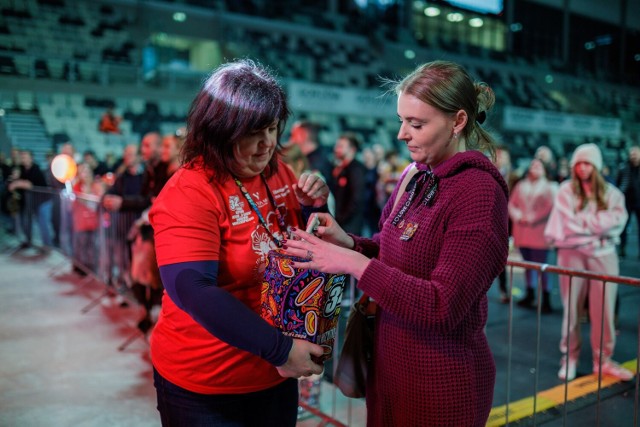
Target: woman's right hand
[330,231]
[299,363]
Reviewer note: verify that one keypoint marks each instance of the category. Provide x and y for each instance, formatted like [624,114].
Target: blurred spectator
[628,182]
[98,167]
[530,204]
[171,146]
[128,183]
[305,135]
[547,157]
[389,170]
[5,174]
[564,171]
[11,199]
[349,183]
[60,213]
[30,176]
[298,162]
[587,218]
[111,162]
[371,209]
[154,178]
[110,122]
[145,284]
[88,191]
[504,165]
[606,174]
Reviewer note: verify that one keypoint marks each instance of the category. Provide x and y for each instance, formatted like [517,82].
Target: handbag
[357,351]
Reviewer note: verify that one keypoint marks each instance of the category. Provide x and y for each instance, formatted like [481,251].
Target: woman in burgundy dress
[430,267]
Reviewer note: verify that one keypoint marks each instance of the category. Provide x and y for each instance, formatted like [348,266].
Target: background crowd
[361,177]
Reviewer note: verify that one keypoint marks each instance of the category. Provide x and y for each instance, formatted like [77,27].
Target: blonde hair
[448,87]
[599,186]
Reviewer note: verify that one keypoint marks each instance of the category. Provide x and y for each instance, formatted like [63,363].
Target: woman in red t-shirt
[216,361]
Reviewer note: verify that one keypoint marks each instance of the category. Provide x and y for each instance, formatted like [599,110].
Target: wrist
[359,265]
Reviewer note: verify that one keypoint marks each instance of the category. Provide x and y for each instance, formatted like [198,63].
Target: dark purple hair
[237,99]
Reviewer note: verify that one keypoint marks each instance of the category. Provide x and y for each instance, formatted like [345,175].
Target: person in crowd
[564,170]
[607,175]
[628,181]
[390,169]
[545,154]
[98,167]
[86,219]
[215,222]
[153,179]
[291,154]
[9,199]
[145,286]
[30,203]
[349,183]
[305,134]
[61,217]
[128,182]
[587,218]
[505,166]
[431,266]
[530,205]
[110,122]
[171,146]
[372,210]
[293,157]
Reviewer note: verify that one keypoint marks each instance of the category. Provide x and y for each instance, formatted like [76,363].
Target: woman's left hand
[324,256]
[311,190]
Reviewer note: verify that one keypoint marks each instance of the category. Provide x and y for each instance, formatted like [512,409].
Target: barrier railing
[559,397]
[98,243]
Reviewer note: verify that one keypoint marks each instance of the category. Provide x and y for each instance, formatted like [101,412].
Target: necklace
[422,178]
[254,207]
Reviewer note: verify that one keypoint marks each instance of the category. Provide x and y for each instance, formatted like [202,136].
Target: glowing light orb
[64,168]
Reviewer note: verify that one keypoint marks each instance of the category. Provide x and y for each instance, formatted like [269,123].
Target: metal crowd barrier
[99,247]
[558,399]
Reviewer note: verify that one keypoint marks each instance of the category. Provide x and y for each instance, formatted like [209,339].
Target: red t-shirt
[195,219]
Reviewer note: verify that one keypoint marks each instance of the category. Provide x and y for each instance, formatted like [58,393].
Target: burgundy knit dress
[432,363]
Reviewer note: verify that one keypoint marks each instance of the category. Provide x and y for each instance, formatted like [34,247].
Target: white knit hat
[589,153]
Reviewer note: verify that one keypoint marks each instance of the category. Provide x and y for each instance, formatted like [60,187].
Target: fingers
[300,363]
[313,223]
[317,350]
[302,244]
[312,185]
[303,237]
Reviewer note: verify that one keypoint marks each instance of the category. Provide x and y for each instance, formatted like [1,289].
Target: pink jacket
[530,205]
[590,231]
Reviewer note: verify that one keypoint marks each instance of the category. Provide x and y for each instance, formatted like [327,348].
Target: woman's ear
[460,122]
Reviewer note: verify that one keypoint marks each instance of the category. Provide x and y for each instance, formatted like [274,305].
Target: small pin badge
[409,231]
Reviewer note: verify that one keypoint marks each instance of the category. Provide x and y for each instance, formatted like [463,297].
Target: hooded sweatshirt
[432,364]
[592,232]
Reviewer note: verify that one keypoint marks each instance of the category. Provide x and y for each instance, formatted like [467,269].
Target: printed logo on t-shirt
[240,216]
[281,192]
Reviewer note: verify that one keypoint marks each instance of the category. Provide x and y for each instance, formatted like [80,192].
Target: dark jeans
[531,276]
[274,407]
